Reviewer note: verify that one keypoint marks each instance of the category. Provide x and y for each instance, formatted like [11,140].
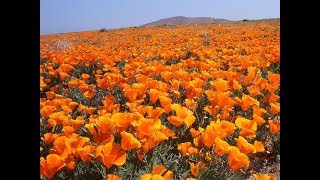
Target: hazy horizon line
[121,27]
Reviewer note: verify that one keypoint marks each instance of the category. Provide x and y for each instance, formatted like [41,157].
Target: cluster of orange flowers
[160,74]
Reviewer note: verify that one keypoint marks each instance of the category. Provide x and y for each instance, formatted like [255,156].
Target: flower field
[163,102]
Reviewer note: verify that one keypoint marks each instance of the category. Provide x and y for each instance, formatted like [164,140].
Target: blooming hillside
[166,102]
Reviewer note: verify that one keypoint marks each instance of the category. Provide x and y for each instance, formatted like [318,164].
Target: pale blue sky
[80,15]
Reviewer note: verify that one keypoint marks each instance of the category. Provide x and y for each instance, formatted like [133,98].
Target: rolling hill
[184,20]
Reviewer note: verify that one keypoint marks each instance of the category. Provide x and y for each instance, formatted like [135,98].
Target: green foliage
[275,67]
[83,171]
[172,61]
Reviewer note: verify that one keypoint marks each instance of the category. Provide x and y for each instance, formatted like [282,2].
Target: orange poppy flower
[47,110]
[263,64]
[263,177]
[72,105]
[247,133]
[42,83]
[194,133]
[57,118]
[145,127]
[197,168]
[236,85]
[66,67]
[272,98]
[197,83]
[58,97]
[153,140]
[154,113]
[146,177]
[86,153]
[111,154]
[187,149]
[247,124]
[131,94]
[183,115]
[220,98]
[68,130]
[194,93]
[65,91]
[220,85]
[259,146]
[48,138]
[270,87]
[275,108]
[160,169]
[191,104]
[113,177]
[66,108]
[251,76]
[151,177]
[258,111]
[254,90]
[140,109]
[77,123]
[128,141]
[89,94]
[274,126]
[73,83]
[246,102]
[55,89]
[84,87]
[52,73]
[85,76]
[142,78]
[224,114]
[166,75]
[74,142]
[81,107]
[274,78]
[236,159]
[65,101]
[89,86]
[90,110]
[109,99]
[123,120]
[175,84]
[60,147]
[115,70]
[221,147]
[47,80]
[227,127]
[51,165]
[162,87]
[141,89]
[63,75]
[261,82]
[212,110]
[105,124]
[198,142]
[210,134]
[244,147]
[217,129]
[258,119]
[165,103]
[50,94]
[154,95]
[194,169]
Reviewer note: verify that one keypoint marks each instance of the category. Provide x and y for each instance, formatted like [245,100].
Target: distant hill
[185,20]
